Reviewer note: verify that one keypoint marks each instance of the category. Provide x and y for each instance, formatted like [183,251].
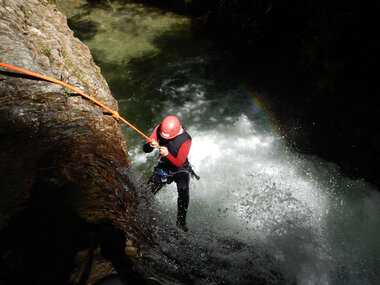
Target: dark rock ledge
[68,197]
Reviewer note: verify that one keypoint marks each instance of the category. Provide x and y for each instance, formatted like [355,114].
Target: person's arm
[182,154]
[147,146]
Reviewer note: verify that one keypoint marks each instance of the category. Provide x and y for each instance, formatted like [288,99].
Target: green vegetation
[68,92]
[44,48]
[23,10]
[73,67]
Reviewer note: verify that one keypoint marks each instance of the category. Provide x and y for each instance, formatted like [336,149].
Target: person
[174,145]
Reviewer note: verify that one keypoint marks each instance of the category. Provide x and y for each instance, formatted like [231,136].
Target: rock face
[68,195]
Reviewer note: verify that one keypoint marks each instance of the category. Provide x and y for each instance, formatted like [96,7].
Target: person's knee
[183,191]
[182,179]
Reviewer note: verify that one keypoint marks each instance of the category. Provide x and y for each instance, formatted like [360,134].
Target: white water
[319,225]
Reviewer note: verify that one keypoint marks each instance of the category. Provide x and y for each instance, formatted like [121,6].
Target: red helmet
[170,127]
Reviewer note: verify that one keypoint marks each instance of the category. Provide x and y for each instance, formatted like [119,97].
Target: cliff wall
[68,196]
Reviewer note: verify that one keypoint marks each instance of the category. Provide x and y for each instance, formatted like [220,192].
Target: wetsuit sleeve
[147,147]
[181,155]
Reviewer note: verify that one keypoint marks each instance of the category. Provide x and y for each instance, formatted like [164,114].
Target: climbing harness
[164,176]
[115,114]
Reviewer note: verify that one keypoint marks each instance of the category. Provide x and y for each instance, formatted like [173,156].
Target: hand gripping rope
[114,113]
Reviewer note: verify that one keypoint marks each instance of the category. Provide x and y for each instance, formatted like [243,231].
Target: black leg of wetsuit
[182,179]
[155,183]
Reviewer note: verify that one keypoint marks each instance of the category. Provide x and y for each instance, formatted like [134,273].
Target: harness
[165,175]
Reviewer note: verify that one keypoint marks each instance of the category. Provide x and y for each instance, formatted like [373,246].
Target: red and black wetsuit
[176,165]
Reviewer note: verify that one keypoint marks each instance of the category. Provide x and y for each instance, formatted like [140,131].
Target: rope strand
[115,114]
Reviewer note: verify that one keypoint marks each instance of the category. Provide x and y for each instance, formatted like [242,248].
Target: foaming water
[254,194]
[300,209]
[264,200]
[317,224]
[254,191]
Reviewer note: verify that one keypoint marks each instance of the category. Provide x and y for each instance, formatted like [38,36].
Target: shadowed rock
[68,196]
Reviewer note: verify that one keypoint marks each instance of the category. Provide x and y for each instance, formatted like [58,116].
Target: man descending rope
[174,144]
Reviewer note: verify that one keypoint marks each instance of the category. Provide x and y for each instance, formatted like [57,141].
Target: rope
[115,114]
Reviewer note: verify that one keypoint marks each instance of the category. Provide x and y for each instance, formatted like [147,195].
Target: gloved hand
[153,143]
[164,151]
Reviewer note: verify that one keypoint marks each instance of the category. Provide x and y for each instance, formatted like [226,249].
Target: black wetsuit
[166,172]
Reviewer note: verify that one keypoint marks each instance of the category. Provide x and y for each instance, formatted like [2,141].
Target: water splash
[294,207]
[254,190]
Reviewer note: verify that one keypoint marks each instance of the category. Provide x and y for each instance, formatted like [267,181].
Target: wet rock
[68,196]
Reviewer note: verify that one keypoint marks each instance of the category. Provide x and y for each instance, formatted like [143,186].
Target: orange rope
[114,113]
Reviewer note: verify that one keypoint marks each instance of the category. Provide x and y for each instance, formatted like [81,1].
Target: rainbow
[259,107]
